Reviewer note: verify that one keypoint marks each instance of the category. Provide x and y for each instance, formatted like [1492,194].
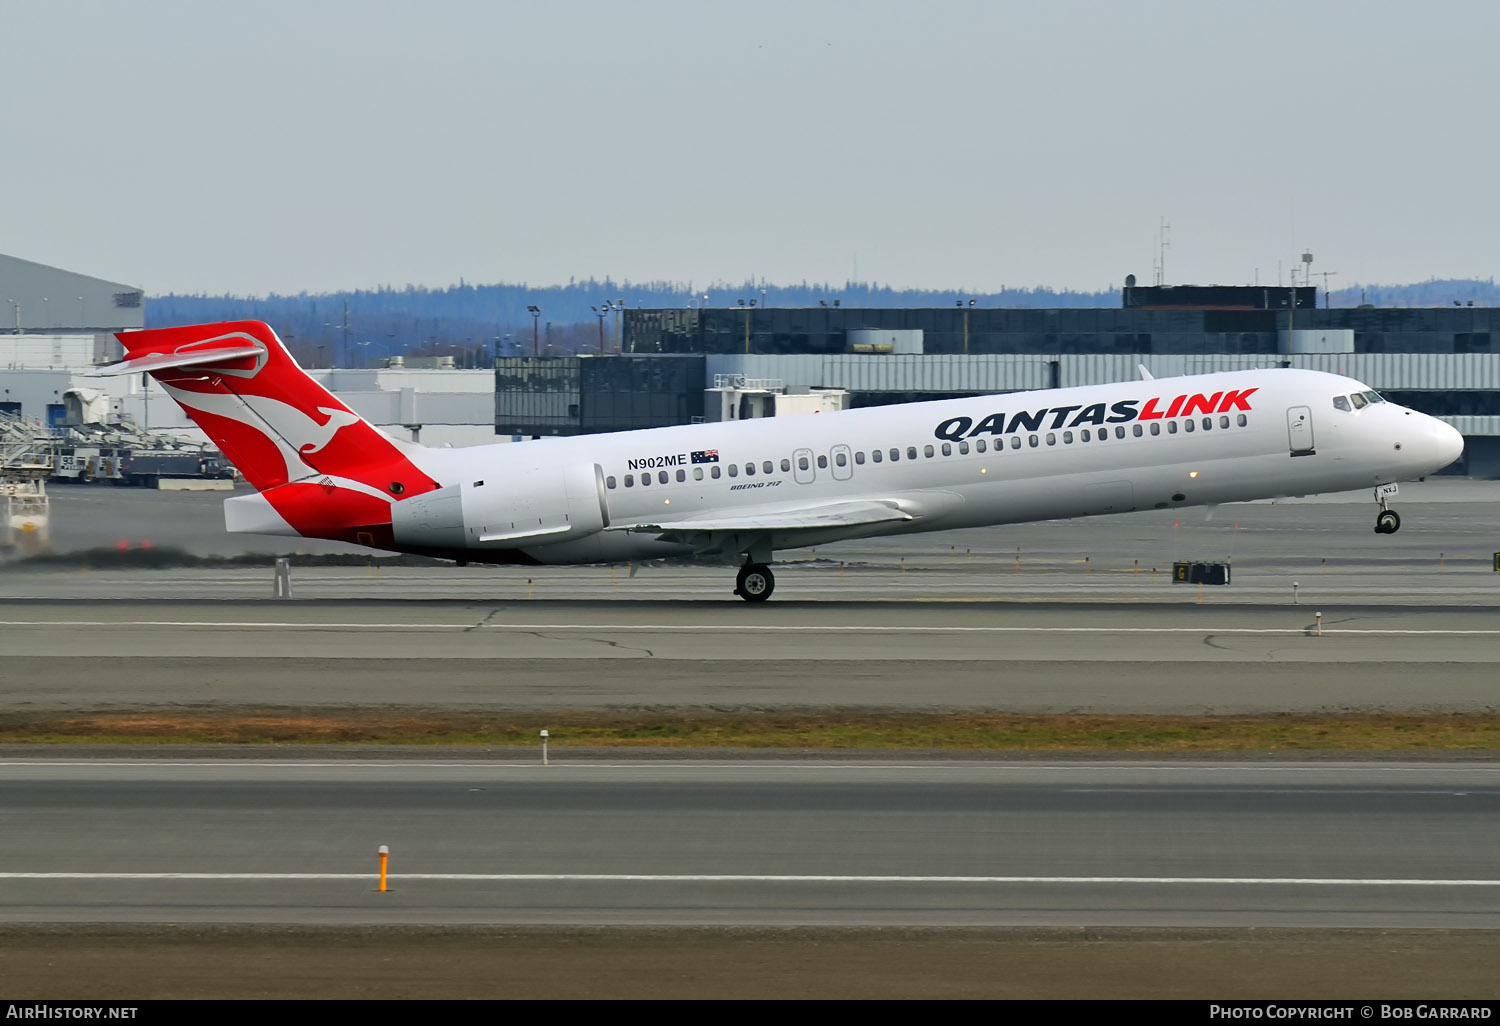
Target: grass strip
[785,730]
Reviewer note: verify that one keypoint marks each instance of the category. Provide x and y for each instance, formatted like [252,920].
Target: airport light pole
[601,313]
[536,313]
[747,310]
[1291,310]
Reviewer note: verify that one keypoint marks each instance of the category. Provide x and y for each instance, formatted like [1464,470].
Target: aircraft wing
[832,514]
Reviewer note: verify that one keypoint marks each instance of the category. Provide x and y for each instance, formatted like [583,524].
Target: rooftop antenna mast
[1162,242]
[1327,296]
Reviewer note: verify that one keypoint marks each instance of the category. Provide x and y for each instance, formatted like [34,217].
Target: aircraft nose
[1449,443]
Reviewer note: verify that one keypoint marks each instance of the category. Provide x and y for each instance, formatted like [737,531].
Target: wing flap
[834,514]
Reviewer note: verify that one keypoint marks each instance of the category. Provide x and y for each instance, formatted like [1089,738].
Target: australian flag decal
[706,456]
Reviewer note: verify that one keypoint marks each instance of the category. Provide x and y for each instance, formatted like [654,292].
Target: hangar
[58,325]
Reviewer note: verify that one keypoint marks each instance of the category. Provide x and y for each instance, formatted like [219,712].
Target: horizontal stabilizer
[167,361]
[835,514]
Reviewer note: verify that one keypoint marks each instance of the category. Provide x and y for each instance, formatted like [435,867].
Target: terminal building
[675,366]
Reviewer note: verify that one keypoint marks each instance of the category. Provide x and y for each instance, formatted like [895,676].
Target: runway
[1036,657]
[735,844]
[1321,616]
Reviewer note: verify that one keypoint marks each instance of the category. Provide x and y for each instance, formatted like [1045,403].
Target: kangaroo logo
[337,419]
[294,433]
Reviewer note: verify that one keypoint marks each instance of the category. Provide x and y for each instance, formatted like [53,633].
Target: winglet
[1145,374]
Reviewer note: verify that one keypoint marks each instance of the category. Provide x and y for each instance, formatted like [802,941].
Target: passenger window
[681,476]
[979,445]
[1171,427]
[661,475]
[1360,402]
[734,470]
[963,448]
[895,455]
[1137,430]
[749,469]
[713,472]
[1187,425]
[629,480]
[1085,436]
[928,451]
[822,462]
[947,449]
[786,466]
[841,459]
[1031,439]
[1243,420]
[1155,428]
[1208,423]
[645,479]
[876,455]
[609,482]
[768,467]
[1119,432]
[697,473]
[1224,421]
[1051,438]
[859,457]
[1067,438]
[911,452]
[1015,441]
[802,463]
[1341,403]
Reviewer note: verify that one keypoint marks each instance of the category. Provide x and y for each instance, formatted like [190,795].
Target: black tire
[1388,522]
[755,583]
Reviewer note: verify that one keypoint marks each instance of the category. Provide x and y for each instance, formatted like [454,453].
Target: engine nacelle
[535,507]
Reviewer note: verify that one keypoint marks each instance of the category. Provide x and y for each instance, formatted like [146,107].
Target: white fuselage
[1286,437]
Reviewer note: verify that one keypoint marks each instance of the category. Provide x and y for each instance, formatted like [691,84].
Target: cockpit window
[1374,397]
[1341,403]
[1360,402]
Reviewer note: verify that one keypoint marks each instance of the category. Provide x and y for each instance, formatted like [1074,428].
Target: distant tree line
[474,323]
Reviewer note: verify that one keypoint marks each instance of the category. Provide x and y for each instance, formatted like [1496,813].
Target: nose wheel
[755,582]
[1387,521]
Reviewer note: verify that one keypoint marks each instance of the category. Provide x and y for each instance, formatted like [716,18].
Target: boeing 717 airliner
[744,490]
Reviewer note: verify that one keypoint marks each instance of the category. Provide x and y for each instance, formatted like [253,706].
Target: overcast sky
[251,147]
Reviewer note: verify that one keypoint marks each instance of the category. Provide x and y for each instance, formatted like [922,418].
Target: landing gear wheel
[754,583]
[1388,521]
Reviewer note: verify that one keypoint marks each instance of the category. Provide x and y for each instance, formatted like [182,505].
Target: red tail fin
[276,424]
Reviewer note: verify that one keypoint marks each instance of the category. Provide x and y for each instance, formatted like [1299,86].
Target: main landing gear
[755,582]
[1387,521]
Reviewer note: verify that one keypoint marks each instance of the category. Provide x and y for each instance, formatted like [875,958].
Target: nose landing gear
[1387,521]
